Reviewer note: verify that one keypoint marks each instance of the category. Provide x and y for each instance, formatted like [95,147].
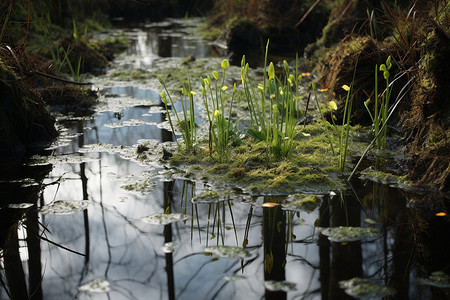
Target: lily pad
[228,251]
[301,202]
[362,288]
[164,219]
[284,286]
[350,234]
[64,207]
[438,279]
[206,197]
[95,286]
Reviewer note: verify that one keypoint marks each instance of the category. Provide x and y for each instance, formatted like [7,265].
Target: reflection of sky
[154,41]
[127,252]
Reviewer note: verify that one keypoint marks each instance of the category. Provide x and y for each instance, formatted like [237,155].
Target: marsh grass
[186,118]
[379,117]
[221,128]
[273,107]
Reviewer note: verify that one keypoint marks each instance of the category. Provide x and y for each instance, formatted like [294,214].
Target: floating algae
[284,286]
[95,286]
[362,288]
[206,197]
[228,251]
[438,279]
[164,219]
[350,234]
[301,202]
[64,207]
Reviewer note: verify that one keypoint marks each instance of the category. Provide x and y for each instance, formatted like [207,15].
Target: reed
[221,128]
[273,107]
[185,118]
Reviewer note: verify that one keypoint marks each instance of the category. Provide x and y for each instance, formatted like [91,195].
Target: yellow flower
[280,90]
[242,75]
[216,113]
[193,93]
[272,96]
[260,86]
[346,87]
[216,75]
[224,88]
[332,105]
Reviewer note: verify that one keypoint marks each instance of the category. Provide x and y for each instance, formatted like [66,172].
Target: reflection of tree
[34,253]
[274,235]
[27,245]
[15,276]
[168,199]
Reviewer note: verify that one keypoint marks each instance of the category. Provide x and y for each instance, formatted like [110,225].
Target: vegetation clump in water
[350,234]
[362,288]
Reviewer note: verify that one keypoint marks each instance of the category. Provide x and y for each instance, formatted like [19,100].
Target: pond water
[225,245]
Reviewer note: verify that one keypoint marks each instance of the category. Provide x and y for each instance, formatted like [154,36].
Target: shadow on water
[230,246]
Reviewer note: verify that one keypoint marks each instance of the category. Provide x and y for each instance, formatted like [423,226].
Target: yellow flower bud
[215,75]
[271,71]
[332,105]
[225,64]
[346,87]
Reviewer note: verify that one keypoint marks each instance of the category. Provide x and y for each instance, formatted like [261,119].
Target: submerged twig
[62,79]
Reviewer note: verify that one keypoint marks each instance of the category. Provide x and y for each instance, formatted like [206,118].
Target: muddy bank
[26,125]
[419,48]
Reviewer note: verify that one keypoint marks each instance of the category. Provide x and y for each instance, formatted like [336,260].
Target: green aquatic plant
[74,71]
[272,106]
[186,123]
[345,129]
[381,106]
[221,129]
[326,124]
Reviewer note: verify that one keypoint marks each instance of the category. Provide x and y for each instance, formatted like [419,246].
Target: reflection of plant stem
[232,220]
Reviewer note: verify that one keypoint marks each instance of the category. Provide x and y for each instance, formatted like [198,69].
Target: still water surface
[135,260]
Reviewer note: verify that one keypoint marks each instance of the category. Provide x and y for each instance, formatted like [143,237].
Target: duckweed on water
[95,286]
[164,219]
[284,286]
[228,251]
[64,207]
[301,202]
[362,288]
[350,234]
[438,279]
[206,197]
[234,277]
